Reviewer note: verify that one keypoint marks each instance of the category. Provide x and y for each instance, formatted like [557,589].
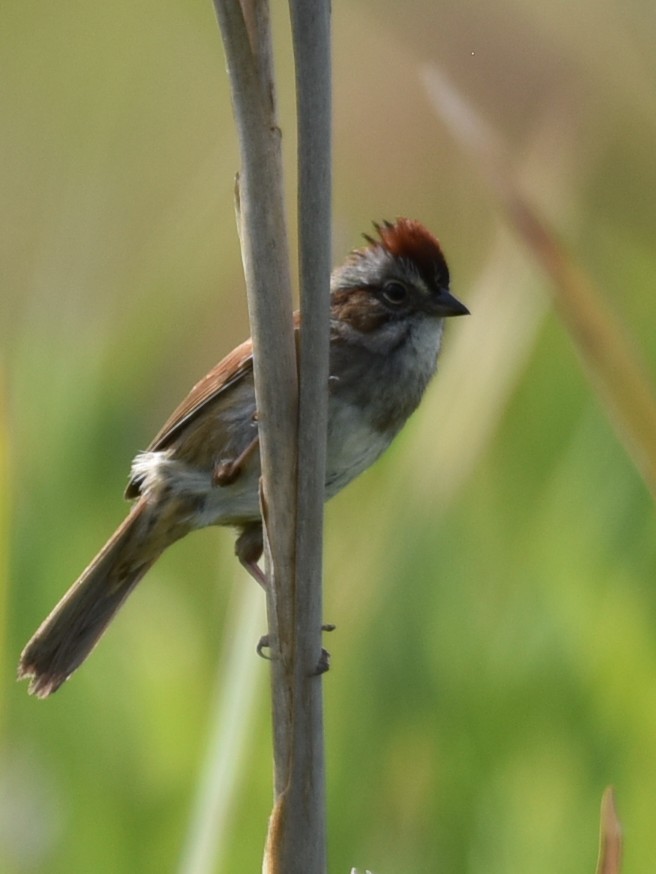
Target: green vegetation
[491,579]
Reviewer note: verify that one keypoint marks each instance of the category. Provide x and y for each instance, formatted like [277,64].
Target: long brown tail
[73,628]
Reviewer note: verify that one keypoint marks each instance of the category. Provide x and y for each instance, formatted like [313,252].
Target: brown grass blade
[610,836]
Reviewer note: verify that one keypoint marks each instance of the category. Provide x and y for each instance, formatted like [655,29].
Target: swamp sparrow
[388,305]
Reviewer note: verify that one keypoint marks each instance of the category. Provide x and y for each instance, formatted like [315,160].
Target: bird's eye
[395,293]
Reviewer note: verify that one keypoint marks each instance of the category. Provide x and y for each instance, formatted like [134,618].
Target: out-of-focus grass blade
[609,356]
[4,526]
[610,836]
[232,715]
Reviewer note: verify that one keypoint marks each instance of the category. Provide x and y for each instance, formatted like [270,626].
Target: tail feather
[73,628]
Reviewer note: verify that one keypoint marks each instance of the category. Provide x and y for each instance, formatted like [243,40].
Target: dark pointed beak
[447,305]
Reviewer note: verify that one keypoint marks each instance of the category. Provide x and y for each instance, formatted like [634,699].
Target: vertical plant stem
[247,41]
[302,837]
[266,264]
[292,448]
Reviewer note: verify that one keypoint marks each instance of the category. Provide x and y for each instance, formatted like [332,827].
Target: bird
[388,303]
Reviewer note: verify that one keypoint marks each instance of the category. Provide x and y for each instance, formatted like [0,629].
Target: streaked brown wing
[226,373]
[236,366]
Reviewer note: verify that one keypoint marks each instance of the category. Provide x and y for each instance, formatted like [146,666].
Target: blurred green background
[492,579]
